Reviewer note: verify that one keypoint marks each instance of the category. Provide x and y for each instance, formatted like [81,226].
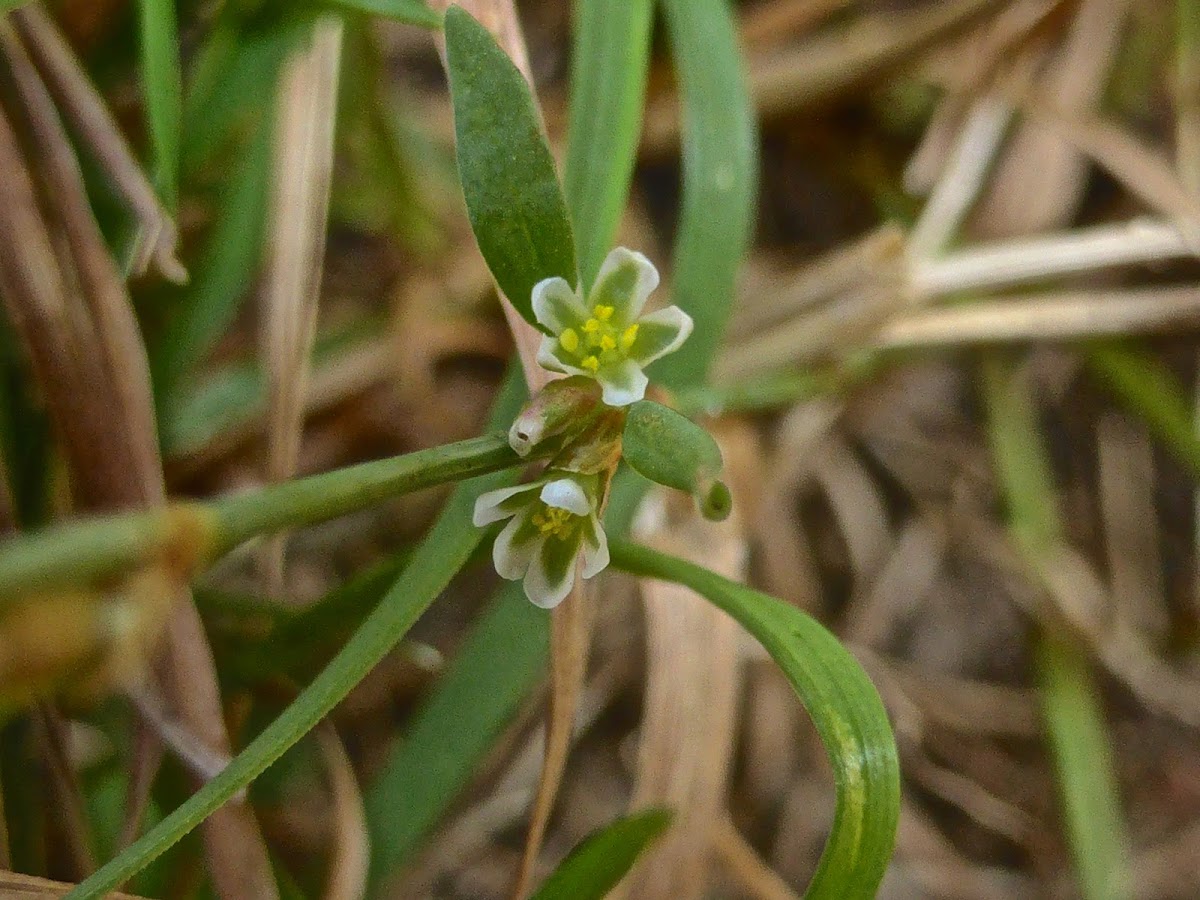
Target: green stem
[1070,702]
[85,552]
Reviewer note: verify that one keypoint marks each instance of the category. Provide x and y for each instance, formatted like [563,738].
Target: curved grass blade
[603,858]
[440,555]
[499,663]
[508,179]
[608,86]
[720,173]
[162,82]
[844,706]
[410,12]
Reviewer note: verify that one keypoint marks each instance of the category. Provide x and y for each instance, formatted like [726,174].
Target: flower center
[554,522]
[602,342]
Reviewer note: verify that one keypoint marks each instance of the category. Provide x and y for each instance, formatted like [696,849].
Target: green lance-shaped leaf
[671,449]
[604,857]
[410,12]
[844,706]
[161,76]
[508,179]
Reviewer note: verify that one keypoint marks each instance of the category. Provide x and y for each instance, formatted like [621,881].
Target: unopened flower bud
[559,409]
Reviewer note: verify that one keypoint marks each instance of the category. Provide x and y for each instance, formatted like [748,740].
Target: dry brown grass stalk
[351,854]
[299,210]
[79,100]
[68,304]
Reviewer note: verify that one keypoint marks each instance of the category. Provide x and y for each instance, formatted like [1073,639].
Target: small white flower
[554,521]
[607,337]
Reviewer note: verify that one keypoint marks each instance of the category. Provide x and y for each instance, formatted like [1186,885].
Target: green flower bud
[560,409]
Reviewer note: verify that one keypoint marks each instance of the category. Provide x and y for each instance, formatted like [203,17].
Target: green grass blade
[440,555]
[1070,703]
[720,173]
[1084,761]
[602,859]
[1149,390]
[162,82]
[210,303]
[608,86]
[508,179]
[410,12]
[499,663]
[843,704]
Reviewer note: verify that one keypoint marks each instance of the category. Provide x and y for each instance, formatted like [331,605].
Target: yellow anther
[603,313]
[569,340]
[591,326]
[628,336]
[554,521]
[607,342]
[591,364]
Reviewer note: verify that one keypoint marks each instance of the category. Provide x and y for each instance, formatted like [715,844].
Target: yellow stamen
[603,313]
[591,326]
[570,340]
[607,343]
[554,521]
[591,364]
[628,337]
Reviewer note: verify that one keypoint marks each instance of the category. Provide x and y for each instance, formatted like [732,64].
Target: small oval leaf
[513,198]
[672,450]
[604,857]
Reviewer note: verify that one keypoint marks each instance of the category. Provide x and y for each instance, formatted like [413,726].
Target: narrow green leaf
[608,85]
[1083,758]
[162,82]
[501,660]
[1071,707]
[410,12]
[210,302]
[440,555]
[844,706]
[1152,392]
[720,160]
[513,198]
[603,858]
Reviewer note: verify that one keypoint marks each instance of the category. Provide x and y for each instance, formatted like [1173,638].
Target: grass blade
[1070,701]
[1150,391]
[410,12]
[603,858]
[162,82]
[844,706]
[608,87]
[440,555]
[508,179]
[499,663]
[720,173]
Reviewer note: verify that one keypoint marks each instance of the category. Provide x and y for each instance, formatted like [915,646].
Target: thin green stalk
[1070,701]
[83,552]
[162,81]
[440,555]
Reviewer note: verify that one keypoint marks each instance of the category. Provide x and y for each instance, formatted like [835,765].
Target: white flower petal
[660,333]
[595,548]
[490,507]
[568,494]
[556,306]
[542,588]
[625,281]
[513,551]
[623,383]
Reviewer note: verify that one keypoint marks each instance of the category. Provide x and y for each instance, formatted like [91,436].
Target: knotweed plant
[538,484]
